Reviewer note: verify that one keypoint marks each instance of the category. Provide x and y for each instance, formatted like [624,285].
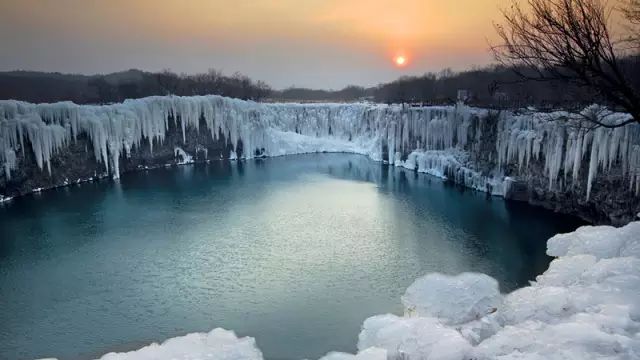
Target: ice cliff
[502,153]
[585,306]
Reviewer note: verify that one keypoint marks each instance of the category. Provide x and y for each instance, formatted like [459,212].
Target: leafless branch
[568,41]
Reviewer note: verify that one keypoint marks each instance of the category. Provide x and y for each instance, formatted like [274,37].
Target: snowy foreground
[585,306]
[436,140]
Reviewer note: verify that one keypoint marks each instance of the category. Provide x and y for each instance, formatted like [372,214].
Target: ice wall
[262,129]
[565,141]
[435,140]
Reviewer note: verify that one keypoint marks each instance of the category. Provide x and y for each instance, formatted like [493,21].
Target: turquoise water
[294,251]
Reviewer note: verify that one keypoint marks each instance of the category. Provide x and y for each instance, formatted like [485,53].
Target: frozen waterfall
[564,141]
[436,140]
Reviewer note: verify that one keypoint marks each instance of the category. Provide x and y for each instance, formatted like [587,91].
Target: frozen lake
[294,251]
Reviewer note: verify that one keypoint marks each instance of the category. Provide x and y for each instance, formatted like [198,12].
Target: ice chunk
[219,344]
[182,156]
[575,340]
[566,271]
[537,303]
[453,299]
[413,338]
[477,331]
[599,241]
[367,354]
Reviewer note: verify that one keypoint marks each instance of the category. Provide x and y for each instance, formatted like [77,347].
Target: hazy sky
[314,43]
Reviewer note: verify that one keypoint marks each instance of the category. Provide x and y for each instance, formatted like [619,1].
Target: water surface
[294,251]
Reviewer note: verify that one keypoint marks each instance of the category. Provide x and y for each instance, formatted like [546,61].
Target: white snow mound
[218,344]
[600,241]
[367,354]
[585,306]
[453,299]
[413,338]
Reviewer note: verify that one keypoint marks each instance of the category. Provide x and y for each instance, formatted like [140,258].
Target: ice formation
[585,306]
[565,140]
[453,164]
[182,156]
[219,344]
[413,338]
[435,140]
[470,297]
[371,353]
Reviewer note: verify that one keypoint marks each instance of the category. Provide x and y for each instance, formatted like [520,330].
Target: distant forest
[38,87]
[492,86]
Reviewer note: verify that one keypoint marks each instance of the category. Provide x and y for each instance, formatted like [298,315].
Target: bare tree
[568,41]
[631,11]
[168,82]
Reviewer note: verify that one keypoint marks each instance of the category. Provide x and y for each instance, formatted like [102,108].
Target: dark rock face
[612,201]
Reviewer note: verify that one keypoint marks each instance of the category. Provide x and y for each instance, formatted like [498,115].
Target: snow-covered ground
[585,306]
[438,139]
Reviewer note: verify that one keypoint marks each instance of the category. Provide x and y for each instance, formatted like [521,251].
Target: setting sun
[400,60]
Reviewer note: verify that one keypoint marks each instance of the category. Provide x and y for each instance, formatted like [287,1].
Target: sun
[400,60]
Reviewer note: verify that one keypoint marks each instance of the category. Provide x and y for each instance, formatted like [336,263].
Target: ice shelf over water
[585,306]
[434,140]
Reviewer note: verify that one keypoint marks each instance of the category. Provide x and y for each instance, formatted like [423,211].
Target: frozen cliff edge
[549,159]
[585,306]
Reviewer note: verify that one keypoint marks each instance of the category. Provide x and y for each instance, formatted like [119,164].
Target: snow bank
[368,354]
[434,140]
[585,306]
[602,242]
[454,299]
[219,344]
[413,338]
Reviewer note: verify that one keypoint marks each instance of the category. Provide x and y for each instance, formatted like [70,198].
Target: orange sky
[316,43]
